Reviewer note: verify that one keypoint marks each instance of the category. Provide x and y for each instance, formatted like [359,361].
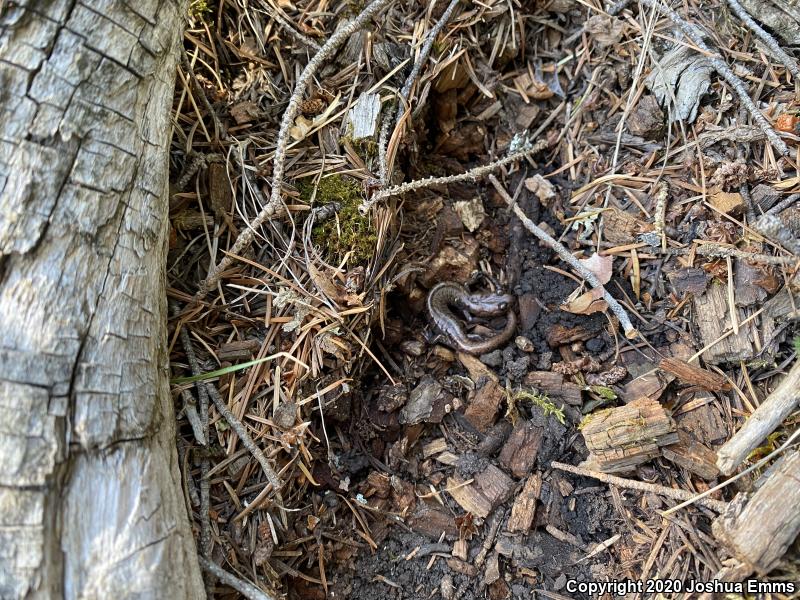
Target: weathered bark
[90,501]
[782,16]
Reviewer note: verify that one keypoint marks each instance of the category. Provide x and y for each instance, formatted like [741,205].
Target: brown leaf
[587,303]
[601,266]
[245,112]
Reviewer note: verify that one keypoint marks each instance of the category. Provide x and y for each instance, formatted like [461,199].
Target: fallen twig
[769,41]
[405,91]
[641,486]
[205,465]
[245,588]
[471,175]
[247,236]
[763,421]
[247,442]
[720,251]
[564,254]
[720,66]
[727,482]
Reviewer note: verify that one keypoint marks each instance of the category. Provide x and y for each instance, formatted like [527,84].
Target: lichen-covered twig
[245,588]
[247,442]
[564,254]
[719,251]
[720,66]
[641,486]
[769,41]
[247,236]
[471,175]
[205,466]
[405,91]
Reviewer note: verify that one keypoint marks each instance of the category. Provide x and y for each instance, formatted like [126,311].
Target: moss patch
[347,231]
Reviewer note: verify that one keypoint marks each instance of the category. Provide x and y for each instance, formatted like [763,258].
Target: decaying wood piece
[692,456]
[488,490]
[523,511]
[623,437]
[90,500]
[764,420]
[713,320]
[758,528]
[694,375]
[555,387]
[363,117]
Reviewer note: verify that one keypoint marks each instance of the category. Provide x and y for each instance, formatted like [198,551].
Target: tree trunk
[90,496]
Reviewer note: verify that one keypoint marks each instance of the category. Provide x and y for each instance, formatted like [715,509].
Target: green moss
[367,148]
[347,231]
[540,400]
[198,9]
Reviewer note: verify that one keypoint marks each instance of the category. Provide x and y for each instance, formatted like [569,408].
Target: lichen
[346,231]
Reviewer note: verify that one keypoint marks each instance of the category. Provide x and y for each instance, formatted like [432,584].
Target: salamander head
[491,305]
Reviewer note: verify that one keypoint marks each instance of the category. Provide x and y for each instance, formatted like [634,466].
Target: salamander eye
[503,306]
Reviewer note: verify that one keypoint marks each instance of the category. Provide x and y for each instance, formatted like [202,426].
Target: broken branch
[764,420]
[564,254]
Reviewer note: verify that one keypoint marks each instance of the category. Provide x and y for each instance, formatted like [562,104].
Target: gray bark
[90,500]
[782,16]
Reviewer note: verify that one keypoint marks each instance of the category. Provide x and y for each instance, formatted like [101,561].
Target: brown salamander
[445,296]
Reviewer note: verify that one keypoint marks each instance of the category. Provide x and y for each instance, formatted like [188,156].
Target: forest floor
[334,442]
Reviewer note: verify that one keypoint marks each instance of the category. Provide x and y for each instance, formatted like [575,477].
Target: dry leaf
[471,213]
[533,88]
[543,189]
[606,31]
[601,266]
[331,289]
[787,122]
[245,112]
[586,303]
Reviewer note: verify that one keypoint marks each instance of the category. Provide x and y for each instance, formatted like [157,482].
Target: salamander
[447,295]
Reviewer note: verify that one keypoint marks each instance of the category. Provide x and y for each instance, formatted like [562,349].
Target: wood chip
[713,320]
[694,375]
[521,449]
[484,404]
[730,203]
[488,489]
[692,456]
[555,387]
[523,511]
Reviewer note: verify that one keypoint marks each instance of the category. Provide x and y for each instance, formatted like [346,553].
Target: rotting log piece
[759,527]
[623,437]
[90,495]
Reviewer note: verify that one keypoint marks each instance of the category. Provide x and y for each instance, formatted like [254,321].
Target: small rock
[427,402]
[529,310]
[524,344]
[413,347]
[595,345]
[285,415]
[493,359]
[446,587]
[560,582]
[517,369]
[544,190]
[545,361]
[471,212]
[647,120]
